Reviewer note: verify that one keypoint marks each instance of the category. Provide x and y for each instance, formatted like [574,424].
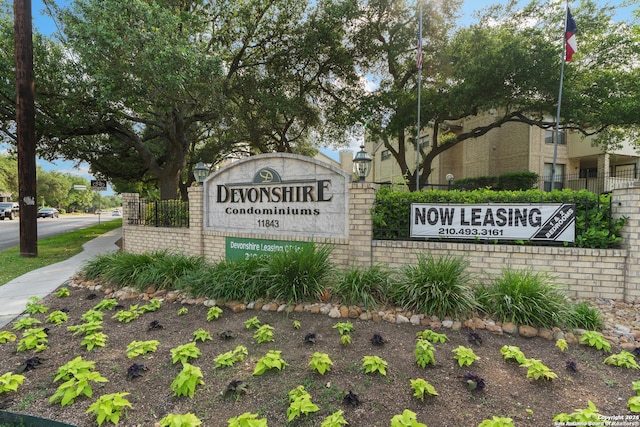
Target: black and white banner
[545,221]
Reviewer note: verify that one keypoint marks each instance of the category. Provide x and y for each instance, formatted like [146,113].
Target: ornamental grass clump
[435,286]
[364,286]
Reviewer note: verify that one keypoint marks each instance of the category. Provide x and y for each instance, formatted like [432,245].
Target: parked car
[48,213]
[116,212]
[9,210]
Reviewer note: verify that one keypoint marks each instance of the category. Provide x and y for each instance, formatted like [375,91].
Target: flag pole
[419,64]
[556,133]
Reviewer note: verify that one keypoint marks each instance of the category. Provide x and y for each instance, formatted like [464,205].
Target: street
[47,227]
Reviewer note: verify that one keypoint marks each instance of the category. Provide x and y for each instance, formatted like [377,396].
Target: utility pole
[25,125]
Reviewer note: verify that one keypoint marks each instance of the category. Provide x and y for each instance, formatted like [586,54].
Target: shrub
[583,316]
[166,269]
[366,287]
[435,286]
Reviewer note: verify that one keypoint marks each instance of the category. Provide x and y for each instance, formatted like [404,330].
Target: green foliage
[372,364]
[106,304]
[185,352]
[406,419]
[214,313]
[512,352]
[595,339]
[26,323]
[96,339]
[108,407]
[586,415]
[126,316]
[231,357]
[74,368]
[363,286]
[464,355]
[263,334]
[10,382]
[33,339]
[183,311]
[525,297]
[62,292]
[431,336]
[153,305]
[6,336]
[297,275]
[92,315]
[424,353]
[271,360]
[345,339]
[57,317]
[247,420]
[513,181]
[562,344]
[435,286]
[583,316]
[296,324]
[180,420]
[300,403]
[344,328]
[334,420]
[34,308]
[537,370]
[253,323]
[186,381]
[87,328]
[421,388]
[201,335]
[623,359]
[138,348]
[633,403]
[320,362]
[77,375]
[497,422]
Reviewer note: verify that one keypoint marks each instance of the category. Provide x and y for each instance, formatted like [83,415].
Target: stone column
[362,195]
[626,202]
[196,220]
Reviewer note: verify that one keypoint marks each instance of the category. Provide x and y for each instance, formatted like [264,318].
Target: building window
[558,177]
[548,136]
[385,155]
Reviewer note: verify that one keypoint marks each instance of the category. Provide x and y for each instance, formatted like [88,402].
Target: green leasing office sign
[239,248]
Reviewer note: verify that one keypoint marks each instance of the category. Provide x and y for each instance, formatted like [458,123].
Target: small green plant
[201,335]
[296,324]
[406,419]
[464,355]
[186,381]
[596,340]
[371,364]
[106,304]
[74,368]
[62,293]
[127,316]
[231,357]
[424,353]
[300,403]
[78,384]
[320,362]
[512,352]
[263,334]
[10,382]
[586,416]
[96,339]
[344,328]
[562,344]
[108,407]
[6,336]
[253,323]
[634,402]
[334,420]
[345,339]
[57,317]
[623,359]
[497,422]
[33,339]
[537,370]
[271,360]
[34,308]
[183,311]
[421,388]
[431,336]
[180,420]
[138,348]
[247,420]
[26,323]
[153,305]
[185,352]
[86,328]
[214,313]
[92,315]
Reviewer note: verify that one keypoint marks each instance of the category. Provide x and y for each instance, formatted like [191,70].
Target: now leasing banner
[547,222]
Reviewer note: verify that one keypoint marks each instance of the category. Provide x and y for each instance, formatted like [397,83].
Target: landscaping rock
[527,331]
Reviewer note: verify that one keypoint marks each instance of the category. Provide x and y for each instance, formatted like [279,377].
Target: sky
[46,26]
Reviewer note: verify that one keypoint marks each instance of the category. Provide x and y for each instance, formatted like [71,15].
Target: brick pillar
[130,214]
[196,220]
[626,202]
[362,195]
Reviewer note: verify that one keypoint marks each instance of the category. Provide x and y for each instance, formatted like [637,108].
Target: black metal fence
[159,213]
[591,180]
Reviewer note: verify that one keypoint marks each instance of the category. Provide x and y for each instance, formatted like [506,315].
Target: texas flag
[570,36]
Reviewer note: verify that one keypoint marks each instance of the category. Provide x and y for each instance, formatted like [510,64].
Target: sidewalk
[43,281]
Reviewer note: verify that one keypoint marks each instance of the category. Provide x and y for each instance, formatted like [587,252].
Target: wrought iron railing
[158,213]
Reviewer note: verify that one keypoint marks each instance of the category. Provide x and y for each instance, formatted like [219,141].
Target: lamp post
[200,172]
[362,164]
[449,178]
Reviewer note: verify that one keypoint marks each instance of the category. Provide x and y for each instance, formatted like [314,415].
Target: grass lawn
[50,250]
